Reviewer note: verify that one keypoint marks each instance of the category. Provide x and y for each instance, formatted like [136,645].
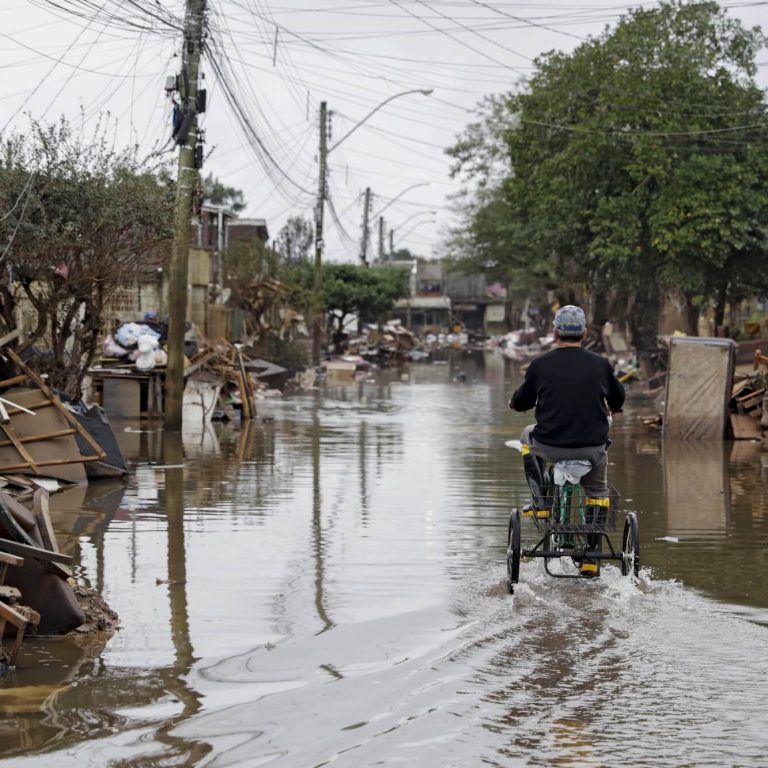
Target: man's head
[570,323]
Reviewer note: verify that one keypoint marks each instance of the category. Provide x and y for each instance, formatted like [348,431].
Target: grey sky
[351,53]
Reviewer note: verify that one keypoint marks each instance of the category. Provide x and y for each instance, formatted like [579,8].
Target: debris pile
[47,438]
[748,405]
[140,343]
[222,383]
[36,584]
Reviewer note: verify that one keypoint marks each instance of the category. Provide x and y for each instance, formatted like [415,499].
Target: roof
[247,223]
[424,302]
[259,225]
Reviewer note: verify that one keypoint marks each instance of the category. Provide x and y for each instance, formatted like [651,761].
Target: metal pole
[364,243]
[185,186]
[317,284]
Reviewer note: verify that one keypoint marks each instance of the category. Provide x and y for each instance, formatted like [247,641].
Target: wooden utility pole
[366,233]
[186,137]
[317,283]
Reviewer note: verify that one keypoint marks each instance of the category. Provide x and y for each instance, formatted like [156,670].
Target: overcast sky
[282,59]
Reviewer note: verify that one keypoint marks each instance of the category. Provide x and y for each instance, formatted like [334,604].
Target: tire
[513,550]
[630,547]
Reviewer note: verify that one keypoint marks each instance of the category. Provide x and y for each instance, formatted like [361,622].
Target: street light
[416,226]
[398,196]
[422,91]
[414,215]
[402,224]
[317,282]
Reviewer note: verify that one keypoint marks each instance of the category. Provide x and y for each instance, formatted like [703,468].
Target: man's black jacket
[570,387]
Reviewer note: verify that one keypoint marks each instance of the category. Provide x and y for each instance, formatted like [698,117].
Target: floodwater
[327,588]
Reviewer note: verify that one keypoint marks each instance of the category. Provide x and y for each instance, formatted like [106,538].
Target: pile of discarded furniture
[222,382]
[748,404]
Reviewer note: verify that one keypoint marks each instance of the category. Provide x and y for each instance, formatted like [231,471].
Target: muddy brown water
[328,589]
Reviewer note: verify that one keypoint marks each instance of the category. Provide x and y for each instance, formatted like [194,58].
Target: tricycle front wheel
[513,550]
[630,547]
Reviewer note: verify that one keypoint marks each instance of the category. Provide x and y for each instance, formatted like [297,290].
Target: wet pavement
[329,588]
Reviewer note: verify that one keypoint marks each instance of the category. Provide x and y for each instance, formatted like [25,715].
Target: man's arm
[524,397]
[615,395]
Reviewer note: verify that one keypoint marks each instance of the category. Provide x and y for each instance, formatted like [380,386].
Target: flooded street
[329,588]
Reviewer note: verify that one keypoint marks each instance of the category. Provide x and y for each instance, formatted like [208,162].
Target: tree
[217,193]
[81,220]
[617,152]
[295,239]
[350,289]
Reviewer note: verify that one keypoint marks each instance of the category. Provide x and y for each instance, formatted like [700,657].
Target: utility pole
[391,244]
[381,238]
[366,233]
[317,283]
[186,138]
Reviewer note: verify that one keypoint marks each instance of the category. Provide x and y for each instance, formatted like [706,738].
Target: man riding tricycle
[574,393]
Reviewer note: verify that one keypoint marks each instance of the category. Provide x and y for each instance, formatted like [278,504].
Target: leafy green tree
[295,239]
[402,254]
[217,193]
[349,289]
[637,162]
[79,220]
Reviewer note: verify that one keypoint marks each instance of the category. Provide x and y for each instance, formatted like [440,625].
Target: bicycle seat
[571,471]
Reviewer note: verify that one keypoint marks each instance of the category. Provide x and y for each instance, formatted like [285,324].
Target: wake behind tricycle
[572,528]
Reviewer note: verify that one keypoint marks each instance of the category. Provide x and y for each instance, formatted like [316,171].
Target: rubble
[223,383]
[36,593]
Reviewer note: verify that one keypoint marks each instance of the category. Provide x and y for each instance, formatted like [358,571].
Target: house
[475,304]
[217,228]
[214,230]
[426,309]
[440,299]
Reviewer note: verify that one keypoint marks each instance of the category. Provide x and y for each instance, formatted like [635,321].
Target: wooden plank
[32,407]
[23,452]
[26,550]
[9,593]
[744,398]
[9,337]
[12,616]
[40,437]
[20,379]
[43,517]
[248,393]
[51,463]
[198,361]
[7,559]
[9,614]
[744,427]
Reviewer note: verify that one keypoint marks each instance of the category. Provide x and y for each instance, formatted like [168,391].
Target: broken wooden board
[47,438]
[744,427]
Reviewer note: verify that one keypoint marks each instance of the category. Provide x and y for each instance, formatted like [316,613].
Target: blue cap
[570,320]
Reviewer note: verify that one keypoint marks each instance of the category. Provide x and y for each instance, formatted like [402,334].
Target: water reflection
[318,544]
[697,487]
[178,751]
